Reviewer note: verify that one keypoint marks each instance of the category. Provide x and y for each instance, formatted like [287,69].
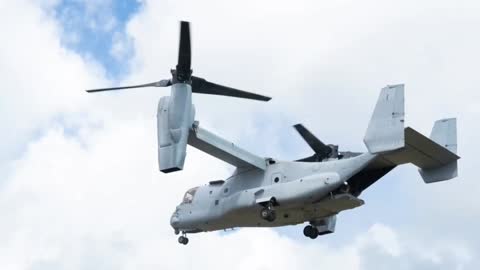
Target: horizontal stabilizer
[421,151]
[393,145]
[436,163]
[435,156]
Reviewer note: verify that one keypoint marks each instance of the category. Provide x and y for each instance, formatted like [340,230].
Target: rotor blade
[184,50]
[313,158]
[202,86]
[318,146]
[162,83]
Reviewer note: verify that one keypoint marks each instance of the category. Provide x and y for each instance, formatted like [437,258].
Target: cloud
[113,214]
[121,47]
[40,78]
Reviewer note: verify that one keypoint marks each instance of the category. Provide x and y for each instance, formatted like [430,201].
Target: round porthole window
[276,179]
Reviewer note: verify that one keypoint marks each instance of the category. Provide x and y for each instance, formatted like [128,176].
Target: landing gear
[183,240]
[310,231]
[268,213]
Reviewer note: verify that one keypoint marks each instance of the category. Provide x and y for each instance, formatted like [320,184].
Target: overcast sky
[79,180]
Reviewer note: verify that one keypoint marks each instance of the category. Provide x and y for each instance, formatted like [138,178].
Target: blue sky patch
[96,29]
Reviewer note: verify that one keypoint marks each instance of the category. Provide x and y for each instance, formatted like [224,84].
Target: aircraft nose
[174,220]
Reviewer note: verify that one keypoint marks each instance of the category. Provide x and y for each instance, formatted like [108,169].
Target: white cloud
[113,214]
[121,46]
[40,78]
[383,237]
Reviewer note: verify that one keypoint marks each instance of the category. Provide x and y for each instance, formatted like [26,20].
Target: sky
[79,180]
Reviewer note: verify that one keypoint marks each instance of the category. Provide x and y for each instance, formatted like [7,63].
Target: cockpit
[188,197]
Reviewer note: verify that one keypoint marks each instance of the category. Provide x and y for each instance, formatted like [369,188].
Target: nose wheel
[310,231]
[183,239]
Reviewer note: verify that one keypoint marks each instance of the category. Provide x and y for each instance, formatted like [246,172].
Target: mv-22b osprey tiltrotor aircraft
[265,192]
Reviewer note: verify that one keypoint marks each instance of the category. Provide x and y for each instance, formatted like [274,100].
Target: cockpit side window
[188,198]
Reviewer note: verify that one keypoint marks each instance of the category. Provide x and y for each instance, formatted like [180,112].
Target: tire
[272,216]
[181,239]
[264,213]
[310,232]
[307,231]
[314,233]
[268,214]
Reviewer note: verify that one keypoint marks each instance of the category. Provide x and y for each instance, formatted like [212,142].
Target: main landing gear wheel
[183,240]
[310,231]
[268,214]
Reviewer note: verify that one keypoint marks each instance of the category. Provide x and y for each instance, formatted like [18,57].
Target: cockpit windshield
[188,198]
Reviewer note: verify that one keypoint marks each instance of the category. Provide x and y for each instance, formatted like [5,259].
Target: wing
[220,148]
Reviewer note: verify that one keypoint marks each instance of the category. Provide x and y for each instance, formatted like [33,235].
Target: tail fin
[385,130]
[444,133]
[386,136]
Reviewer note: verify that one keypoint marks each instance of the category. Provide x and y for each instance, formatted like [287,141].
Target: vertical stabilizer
[385,131]
[444,133]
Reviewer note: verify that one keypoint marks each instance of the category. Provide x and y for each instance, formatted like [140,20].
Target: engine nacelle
[175,116]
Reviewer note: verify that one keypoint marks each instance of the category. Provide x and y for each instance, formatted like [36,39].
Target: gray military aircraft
[266,192]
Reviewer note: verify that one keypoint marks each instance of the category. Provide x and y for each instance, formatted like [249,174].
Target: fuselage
[300,190]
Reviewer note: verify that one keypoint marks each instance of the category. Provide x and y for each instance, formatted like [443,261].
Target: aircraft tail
[386,136]
[385,130]
[444,133]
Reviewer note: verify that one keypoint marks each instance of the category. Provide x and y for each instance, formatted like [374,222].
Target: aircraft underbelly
[288,215]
